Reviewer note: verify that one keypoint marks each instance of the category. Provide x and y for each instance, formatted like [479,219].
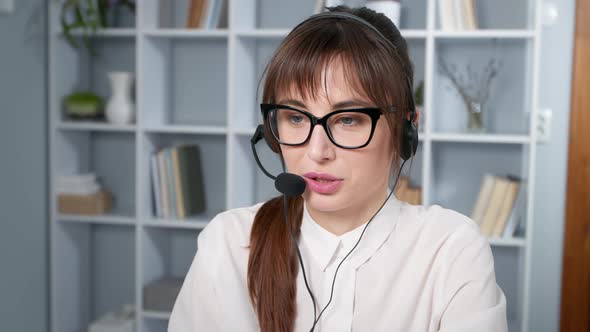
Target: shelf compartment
[509,269]
[95,272]
[500,14]
[458,169]
[170,15]
[272,14]
[507,110]
[413,170]
[170,94]
[253,55]
[76,70]
[152,322]
[166,253]
[110,155]
[249,184]
[213,165]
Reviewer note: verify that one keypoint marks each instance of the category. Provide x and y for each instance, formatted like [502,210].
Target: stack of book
[457,14]
[500,204]
[177,182]
[82,194]
[207,14]
[404,192]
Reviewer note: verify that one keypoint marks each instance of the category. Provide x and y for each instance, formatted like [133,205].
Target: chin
[324,203]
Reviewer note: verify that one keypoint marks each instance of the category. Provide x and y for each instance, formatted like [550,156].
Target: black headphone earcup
[409,140]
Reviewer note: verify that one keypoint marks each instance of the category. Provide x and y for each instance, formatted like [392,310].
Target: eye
[296,118]
[349,119]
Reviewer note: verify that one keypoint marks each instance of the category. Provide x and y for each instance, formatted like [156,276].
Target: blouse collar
[325,246]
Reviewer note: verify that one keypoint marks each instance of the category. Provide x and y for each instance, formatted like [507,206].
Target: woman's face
[361,174]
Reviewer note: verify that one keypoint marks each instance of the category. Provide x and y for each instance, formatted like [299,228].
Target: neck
[345,220]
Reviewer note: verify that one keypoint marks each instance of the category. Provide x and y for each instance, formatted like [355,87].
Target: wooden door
[575,286]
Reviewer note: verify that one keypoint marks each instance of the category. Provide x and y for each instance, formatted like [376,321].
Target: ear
[417,117]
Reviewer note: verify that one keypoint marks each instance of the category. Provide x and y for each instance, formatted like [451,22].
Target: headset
[292,185]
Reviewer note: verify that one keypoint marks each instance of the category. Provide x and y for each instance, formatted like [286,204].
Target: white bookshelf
[199,86]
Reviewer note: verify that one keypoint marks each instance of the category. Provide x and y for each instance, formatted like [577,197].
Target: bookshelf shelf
[180,129]
[189,223]
[156,314]
[186,33]
[112,32]
[485,34]
[481,138]
[98,219]
[509,242]
[94,126]
[198,86]
[281,33]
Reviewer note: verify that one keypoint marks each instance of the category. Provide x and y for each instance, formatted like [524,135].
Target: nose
[319,147]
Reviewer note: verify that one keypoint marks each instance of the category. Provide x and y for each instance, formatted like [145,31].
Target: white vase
[120,108]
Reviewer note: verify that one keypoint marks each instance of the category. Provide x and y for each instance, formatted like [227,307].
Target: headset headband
[350,16]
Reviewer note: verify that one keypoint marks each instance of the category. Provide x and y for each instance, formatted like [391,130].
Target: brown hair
[374,70]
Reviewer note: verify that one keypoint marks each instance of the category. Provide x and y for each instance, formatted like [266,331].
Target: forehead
[337,83]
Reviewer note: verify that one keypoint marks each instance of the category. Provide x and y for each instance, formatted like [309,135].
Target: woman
[369,262]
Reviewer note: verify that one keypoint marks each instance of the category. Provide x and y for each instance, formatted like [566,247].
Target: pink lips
[322,183]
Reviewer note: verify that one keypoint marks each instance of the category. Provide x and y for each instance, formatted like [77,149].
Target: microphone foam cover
[290,184]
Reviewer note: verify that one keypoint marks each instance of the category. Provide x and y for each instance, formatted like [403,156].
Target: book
[163,184]
[212,14]
[195,13]
[222,21]
[470,16]
[516,215]
[483,198]
[179,197]
[446,14]
[171,190]
[492,210]
[157,198]
[192,179]
[205,13]
[457,15]
[506,207]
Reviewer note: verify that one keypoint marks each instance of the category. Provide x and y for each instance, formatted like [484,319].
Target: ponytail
[273,264]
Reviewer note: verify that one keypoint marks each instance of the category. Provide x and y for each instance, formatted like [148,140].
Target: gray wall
[23,136]
[555,89]
[23,207]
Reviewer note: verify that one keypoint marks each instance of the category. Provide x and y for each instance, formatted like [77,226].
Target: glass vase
[476,112]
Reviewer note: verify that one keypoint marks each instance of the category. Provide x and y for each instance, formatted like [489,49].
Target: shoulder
[435,223]
[230,227]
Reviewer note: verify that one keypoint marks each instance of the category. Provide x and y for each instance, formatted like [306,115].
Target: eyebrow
[338,105]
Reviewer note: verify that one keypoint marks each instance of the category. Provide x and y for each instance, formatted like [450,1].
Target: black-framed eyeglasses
[348,129]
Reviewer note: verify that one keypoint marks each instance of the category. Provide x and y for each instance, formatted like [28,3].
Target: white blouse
[416,268]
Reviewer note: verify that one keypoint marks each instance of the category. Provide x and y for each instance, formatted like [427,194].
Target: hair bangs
[302,60]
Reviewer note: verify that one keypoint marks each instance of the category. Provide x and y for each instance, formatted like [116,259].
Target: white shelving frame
[239,167]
